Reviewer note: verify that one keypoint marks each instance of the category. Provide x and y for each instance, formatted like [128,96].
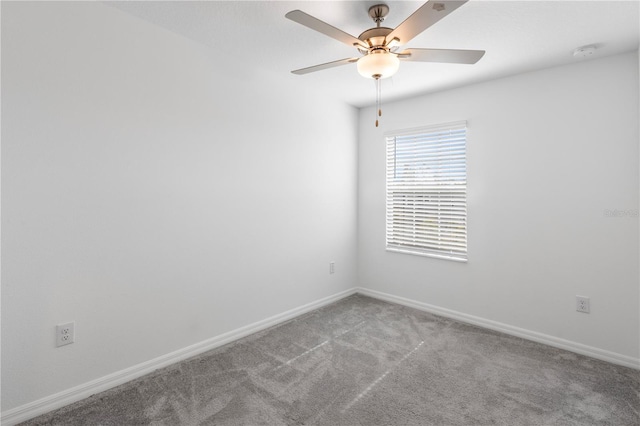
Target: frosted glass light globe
[378,64]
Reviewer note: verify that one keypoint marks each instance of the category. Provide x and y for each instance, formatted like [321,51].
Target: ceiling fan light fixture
[378,64]
[380,44]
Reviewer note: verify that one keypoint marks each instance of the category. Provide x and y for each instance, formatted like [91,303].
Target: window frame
[454,246]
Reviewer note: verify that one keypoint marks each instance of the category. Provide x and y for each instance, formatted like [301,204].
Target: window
[427,191]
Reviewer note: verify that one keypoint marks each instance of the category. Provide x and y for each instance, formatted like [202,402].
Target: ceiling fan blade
[325,66]
[454,56]
[427,15]
[315,24]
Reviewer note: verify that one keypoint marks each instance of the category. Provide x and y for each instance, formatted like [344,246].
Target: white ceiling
[518,36]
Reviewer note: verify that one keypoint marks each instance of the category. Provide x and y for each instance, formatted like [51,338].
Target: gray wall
[154,197]
[548,153]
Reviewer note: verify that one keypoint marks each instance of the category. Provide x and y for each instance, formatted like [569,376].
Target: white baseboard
[61,399]
[77,393]
[612,357]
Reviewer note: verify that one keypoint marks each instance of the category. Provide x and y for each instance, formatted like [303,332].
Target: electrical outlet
[332,267]
[582,304]
[64,334]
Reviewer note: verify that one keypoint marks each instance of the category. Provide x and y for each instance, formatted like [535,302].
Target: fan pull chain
[378,110]
[379,98]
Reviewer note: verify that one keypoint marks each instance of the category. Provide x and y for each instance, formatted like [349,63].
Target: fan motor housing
[375,37]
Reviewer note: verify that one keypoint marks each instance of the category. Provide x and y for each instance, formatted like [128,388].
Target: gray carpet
[361,361]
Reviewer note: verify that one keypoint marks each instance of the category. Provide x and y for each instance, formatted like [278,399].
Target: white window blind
[427,191]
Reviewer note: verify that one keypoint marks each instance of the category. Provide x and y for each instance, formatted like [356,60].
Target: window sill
[427,254]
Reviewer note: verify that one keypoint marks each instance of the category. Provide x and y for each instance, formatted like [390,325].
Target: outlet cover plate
[65,334]
[583,304]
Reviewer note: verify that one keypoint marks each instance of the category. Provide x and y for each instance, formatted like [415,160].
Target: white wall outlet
[582,304]
[332,267]
[64,334]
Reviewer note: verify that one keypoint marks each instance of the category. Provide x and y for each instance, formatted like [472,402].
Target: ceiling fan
[378,45]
